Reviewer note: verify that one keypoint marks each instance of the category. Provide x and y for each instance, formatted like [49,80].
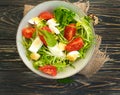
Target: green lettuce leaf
[49,38]
[64,16]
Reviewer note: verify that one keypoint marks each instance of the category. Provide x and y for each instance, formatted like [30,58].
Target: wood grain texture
[17,79]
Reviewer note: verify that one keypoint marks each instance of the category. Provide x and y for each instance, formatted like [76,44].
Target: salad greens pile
[63,17]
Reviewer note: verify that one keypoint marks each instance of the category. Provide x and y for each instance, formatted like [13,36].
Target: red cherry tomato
[43,40]
[75,44]
[42,37]
[69,31]
[46,15]
[46,28]
[49,69]
[28,32]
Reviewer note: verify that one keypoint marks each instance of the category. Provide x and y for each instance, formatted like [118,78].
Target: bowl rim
[24,59]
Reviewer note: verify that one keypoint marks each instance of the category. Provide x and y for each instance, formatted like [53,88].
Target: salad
[55,40]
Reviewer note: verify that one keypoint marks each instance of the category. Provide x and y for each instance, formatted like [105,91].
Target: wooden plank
[32,83]
[17,79]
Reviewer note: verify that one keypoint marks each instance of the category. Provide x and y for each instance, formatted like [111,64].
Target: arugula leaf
[60,63]
[86,32]
[86,24]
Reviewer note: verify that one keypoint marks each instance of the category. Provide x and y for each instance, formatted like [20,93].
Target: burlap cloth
[98,58]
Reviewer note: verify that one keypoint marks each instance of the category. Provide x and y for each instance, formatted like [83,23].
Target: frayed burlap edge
[97,60]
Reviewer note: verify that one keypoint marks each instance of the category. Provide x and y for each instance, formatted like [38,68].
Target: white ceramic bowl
[49,6]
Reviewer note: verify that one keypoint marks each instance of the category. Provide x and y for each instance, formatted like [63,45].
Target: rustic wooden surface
[17,79]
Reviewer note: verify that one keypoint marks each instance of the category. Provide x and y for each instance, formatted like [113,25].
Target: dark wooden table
[17,79]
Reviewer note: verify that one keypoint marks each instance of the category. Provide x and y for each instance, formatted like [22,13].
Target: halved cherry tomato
[42,37]
[46,15]
[75,44]
[28,32]
[46,28]
[43,40]
[49,69]
[69,31]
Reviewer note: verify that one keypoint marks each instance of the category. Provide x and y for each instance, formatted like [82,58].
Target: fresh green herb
[41,23]
[48,58]
[61,38]
[86,33]
[26,42]
[64,16]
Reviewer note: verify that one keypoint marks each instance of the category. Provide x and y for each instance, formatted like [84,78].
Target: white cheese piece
[52,25]
[52,22]
[34,56]
[36,45]
[56,51]
[54,29]
[73,55]
[34,21]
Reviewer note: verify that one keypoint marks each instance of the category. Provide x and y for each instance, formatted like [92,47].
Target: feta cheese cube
[34,56]
[36,45]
